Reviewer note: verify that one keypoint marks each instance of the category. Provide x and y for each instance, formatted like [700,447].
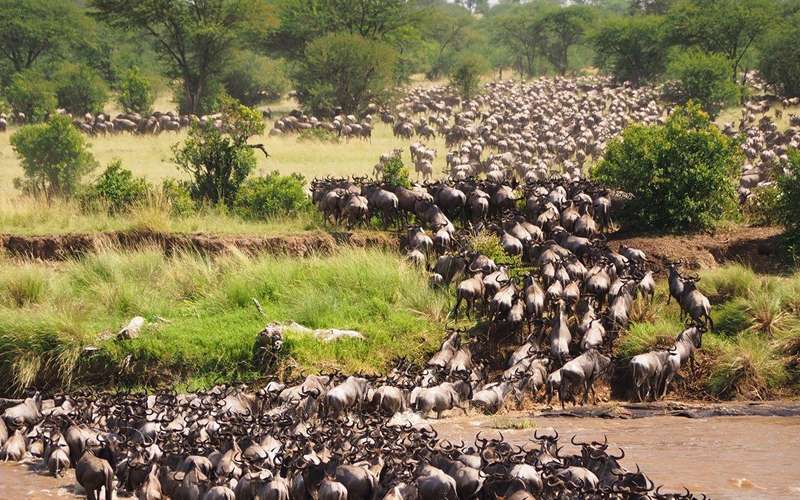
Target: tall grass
[201,318]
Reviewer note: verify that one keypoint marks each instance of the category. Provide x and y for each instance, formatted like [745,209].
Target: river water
[723,457]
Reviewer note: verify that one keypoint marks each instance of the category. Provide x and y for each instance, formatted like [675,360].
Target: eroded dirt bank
[59,247]
[758,247]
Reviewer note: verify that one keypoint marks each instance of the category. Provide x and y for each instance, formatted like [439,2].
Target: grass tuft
[729,282]
[747,367]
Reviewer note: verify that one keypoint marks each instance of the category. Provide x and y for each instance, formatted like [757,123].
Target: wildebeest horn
[621,457]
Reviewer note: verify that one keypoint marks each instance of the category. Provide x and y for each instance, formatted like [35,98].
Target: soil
[60,247]
[756,246]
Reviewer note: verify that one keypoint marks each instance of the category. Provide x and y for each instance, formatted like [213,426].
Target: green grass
[753,351]
[202,323]
[151,156]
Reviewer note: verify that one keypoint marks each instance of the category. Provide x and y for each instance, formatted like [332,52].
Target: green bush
[779,61]
[681,174]
[136,93]
[32,94]
[55,156]
[789,205]
[219,161]
[116,189]
[761,208]
[395,174]
[702,77]
[273,195]
[80,89]
[465,74]
[252,79]
[344,70]
[178,195]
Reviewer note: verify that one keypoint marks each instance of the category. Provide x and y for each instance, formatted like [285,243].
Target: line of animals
[238,443]
[546,324]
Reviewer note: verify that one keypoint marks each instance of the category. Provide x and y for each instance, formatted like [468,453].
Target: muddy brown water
[724,457]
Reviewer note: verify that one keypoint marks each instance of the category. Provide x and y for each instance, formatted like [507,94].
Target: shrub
[318,135]
[31,94]
[80,89]
[55,156]
[136,93]
[779,60]
[116,189]
[178,196]
[681,174]
[488,244]
[698,76]
[762,207]
[465,74]
[219,162]
[344,70]
[273,195]
[789,205]
[252,79]
[395,174]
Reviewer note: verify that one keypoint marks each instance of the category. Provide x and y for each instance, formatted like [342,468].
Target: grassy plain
[201,318]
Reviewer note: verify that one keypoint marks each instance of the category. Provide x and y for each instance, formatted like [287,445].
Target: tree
[727,27]
[344,70]
[302,21]
[682,174]
[220,159]
[136,93]
[564,27]
[252,79]
[780,58]
[650,6]
[517,29]
[700,77]
[30,29]
[194,38]
[451,28]
[30,93]
[55,156]
[632,48]
[465,75]
[80,89]
[789,205]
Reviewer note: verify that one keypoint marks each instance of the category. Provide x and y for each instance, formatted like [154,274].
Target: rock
[132,329]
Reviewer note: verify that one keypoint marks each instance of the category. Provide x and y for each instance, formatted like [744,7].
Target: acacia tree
[30,29]
[517,29]
[727,27]
[193,38]
[564,27]
[632,48]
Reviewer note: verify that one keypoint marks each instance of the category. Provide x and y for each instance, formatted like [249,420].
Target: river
[724,457]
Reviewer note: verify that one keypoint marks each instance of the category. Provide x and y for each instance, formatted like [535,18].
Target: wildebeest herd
[327,438]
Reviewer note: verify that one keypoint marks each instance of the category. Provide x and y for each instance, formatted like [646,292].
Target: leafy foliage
[272,195]
[136,93]
[80,89]
[465,75]
[700,77]
[252,79]
[789,205]
[219,160]
[32,94]
[31,29]
[632,48]
[55,156]
[780,57]
[344,70]
[395,174]
[194,38]
[563,27]
[178,195]
[681,174]
[116,189]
